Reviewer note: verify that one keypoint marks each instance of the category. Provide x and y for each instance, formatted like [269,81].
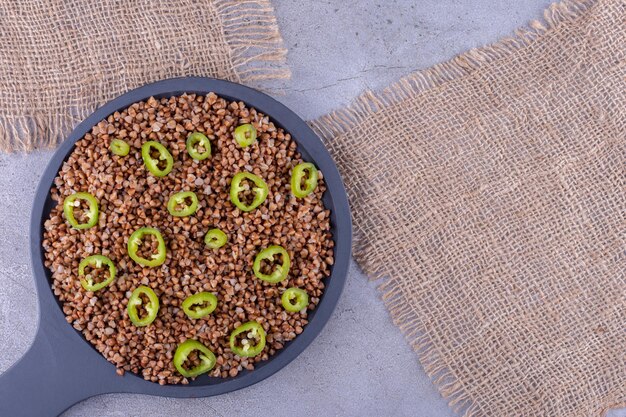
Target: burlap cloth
[60,59]
[490,190]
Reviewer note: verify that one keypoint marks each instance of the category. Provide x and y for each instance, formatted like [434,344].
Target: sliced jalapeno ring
[137,239]
[207,358]
[304,173]
[198,146]
[97,261]
[179,206]
[245,135]
[135,302]
[119,147]
[248,339]
[237,185]
[199,305]
[280,272]
[72,202]
[215,239]
[294,299]
[160,164]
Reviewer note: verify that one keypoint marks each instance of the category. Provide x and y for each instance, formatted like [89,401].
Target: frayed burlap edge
[256,51]
[251,31]
[344,120]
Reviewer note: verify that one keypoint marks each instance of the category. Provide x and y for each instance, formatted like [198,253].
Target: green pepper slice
[155,164]
[198,146]
[71,202]
[215,239]
[199,305]
[245,135]
[180,200]
[260,191]
[300,172]
[294,299]
[280,271]
[136,240]
[119,147]
[95,261]
[248,339]
[135,301]
[207,358]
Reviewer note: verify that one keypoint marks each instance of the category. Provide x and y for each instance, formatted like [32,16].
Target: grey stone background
[360,365]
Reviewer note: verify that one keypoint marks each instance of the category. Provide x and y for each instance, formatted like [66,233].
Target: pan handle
[55,373]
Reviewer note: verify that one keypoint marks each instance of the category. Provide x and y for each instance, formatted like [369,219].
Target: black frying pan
[61,368]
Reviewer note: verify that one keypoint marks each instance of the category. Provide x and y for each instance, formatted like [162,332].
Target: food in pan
[190,238]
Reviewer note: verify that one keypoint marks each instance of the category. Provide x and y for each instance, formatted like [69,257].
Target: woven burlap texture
[490,192]
[60,59]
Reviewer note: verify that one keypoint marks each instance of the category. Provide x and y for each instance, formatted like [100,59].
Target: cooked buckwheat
[130,197]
